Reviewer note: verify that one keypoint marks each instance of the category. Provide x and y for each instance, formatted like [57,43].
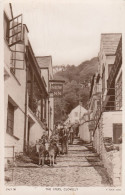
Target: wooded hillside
[76,87]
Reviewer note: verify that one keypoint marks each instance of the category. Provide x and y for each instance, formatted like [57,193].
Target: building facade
[85,133]
[45,64]
[106,104]
[76,114]
[28,106]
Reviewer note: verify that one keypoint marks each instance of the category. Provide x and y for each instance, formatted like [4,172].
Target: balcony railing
[116,66]
[111,105]
[33,105]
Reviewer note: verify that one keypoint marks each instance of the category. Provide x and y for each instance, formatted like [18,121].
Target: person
[44,137]
[61,138]
[77,131]
[66,135]
[54,139]
[71,134]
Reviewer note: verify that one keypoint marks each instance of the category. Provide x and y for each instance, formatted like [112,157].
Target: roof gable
[110,42]
[79,107]
[44,61]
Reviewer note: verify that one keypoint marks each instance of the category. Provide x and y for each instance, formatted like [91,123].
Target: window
[15,30]
[118,93]
[76,114]
[10,118]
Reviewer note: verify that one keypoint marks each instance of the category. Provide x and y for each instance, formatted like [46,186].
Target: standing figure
[66,135]
[77,131]
[71,134]
[61,134]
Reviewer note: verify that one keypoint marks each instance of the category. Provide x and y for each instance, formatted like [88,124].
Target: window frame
[76,114]
[10,111]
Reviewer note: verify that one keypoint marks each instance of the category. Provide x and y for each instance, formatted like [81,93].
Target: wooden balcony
[115,68]
[33,105]
[35,67]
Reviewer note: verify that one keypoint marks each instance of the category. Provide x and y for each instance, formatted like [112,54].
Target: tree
[73,91]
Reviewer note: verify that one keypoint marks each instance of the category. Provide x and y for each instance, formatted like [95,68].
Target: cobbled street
[81,167]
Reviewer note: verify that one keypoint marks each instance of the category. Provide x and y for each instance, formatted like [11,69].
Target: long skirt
[65,147]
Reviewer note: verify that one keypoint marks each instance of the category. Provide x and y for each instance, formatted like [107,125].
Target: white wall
[15,92]
[80,110]
[108,119]
[84,132]
[36,128]
[105,129]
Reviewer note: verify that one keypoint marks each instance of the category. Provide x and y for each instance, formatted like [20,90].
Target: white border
[41,190]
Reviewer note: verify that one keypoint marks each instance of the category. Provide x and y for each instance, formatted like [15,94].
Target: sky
[69,30]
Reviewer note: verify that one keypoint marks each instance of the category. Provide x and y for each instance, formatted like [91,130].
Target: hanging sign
[57,88]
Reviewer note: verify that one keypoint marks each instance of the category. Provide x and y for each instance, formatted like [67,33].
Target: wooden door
[117,132]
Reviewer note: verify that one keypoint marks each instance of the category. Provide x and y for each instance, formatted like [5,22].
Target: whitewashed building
[84,132]
[76,114]
[28,106]
[45,64]
[106,104]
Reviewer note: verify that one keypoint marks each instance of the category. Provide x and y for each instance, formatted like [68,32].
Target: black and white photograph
[63,94]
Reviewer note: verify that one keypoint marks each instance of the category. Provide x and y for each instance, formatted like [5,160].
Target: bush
[7,178]
[23,158]
[31,152]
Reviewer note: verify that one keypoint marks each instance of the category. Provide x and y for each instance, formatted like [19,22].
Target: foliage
[23,158]
[76,88]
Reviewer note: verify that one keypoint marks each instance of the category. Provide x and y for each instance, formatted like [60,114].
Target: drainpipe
[25,119]
[11,10]
[48,116]
[48,104]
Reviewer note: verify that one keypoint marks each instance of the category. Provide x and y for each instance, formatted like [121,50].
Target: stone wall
[113,163]
[112,160]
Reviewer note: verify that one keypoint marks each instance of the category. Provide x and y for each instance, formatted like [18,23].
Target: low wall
[113,163]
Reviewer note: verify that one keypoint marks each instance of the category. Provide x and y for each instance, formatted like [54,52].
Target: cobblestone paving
[79,168]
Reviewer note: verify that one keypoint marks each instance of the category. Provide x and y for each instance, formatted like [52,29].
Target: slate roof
[110,42]
[44,61]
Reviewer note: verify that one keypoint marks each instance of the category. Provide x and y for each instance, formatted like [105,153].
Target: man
[65,138]
[71,134]
[77,131]
[61,139]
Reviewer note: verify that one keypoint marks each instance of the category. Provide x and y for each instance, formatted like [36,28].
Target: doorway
[117,132]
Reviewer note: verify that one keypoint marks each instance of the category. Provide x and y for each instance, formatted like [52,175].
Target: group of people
[63,137]
[59,140]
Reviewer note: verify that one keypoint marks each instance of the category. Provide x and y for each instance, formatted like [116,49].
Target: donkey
[53,151]
[40,149]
